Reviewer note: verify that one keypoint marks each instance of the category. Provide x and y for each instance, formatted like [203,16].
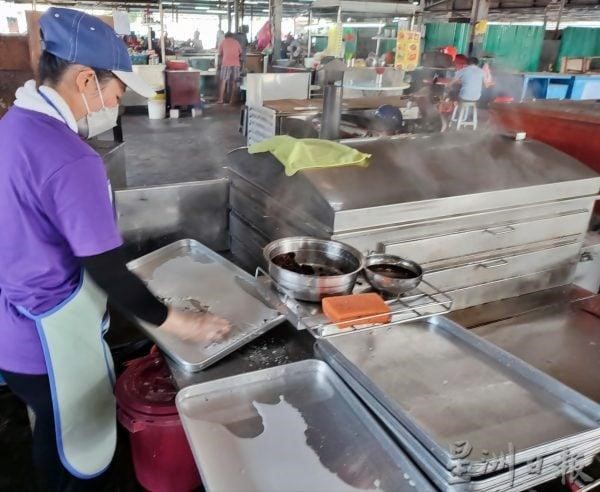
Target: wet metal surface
[446,388]
[303,418]
[188,275]
[562,341]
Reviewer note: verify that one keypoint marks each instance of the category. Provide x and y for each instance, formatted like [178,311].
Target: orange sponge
[344,310]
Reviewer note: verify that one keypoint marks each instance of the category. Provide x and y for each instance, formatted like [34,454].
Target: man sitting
[471,81]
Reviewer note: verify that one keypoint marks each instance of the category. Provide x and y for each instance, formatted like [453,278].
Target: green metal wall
[320,43]
[447,34]
[350,46]
[515,47]
[579,41]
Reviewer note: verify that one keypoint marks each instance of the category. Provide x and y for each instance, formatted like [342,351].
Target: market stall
[302,117]
[515,233]
[401,310]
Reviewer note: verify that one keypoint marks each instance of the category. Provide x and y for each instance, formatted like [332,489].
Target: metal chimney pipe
[332,112]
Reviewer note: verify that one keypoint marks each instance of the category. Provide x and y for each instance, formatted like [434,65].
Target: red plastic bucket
[162,458]
[177,65]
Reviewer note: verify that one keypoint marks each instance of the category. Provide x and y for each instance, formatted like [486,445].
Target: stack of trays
[471,415]
[291,428]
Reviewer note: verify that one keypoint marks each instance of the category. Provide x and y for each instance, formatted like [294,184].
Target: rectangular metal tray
[189,275]
[522,477]
[295,427]
[446,385]
[562,340]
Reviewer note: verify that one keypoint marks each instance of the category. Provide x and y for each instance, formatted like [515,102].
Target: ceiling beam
[435,4]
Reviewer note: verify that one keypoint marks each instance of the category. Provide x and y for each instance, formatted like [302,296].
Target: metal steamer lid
[147,387]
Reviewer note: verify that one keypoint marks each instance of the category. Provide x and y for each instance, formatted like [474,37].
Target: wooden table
[570,126]
[183,88]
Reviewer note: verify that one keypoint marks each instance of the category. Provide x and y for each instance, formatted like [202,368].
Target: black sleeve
[124,289]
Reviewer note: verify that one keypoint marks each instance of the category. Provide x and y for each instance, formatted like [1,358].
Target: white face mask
[97,122]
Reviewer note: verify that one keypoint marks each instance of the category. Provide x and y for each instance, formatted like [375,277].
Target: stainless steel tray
[522,477]
[295,427]
[446,386]
[188,275]
[424,301]
[562,340]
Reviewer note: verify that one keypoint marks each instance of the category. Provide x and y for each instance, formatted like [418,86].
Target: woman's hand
[195,327]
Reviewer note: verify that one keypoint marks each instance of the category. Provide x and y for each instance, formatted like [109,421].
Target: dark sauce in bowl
[288,261]
[392,271]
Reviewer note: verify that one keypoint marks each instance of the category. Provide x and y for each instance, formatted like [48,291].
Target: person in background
[296,49]
[230,53]
[169,44]
[61,254]
[460,61]
[471,80]
[220,38]
[143,44]
[197,41]
[285,45]
[242,38]
[490,91]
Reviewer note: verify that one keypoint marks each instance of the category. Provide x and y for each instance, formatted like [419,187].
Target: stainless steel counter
[486,216]
[284,344]
[516,306]
[153,216]
[113,156]
[412,179]
[484,393]
[561,340]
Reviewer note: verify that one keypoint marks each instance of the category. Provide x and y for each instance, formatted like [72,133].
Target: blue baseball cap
[81,38]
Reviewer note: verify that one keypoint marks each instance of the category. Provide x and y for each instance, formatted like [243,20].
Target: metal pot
[388,284]
[319,254]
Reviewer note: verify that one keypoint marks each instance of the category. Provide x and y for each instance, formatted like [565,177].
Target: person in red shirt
[230,52]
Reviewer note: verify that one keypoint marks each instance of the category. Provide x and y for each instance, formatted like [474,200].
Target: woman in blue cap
[60,251]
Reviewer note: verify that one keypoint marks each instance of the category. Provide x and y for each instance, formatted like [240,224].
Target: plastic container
[177,65]
[162,458]
[200,63]
[157,109]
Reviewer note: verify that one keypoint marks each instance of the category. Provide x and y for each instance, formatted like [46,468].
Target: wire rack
[424,301]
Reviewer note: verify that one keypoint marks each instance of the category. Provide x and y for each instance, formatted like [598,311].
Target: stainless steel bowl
[389,284]
[321,255]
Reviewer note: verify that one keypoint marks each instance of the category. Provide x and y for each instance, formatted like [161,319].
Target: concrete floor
[186,149]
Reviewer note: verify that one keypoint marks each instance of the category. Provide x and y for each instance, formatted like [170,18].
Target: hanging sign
[408,45]
[334,40]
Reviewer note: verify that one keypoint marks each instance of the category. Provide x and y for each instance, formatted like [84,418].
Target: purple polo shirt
[54,207]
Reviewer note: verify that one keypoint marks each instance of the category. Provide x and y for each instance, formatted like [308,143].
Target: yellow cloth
[296,154]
